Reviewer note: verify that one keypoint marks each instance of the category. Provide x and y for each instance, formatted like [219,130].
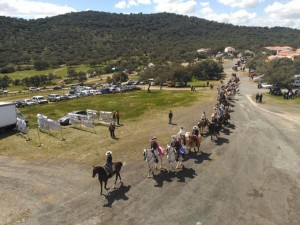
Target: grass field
[140,114]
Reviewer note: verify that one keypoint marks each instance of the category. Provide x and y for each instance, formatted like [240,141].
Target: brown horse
[202,124]
[192,142]
[103,177]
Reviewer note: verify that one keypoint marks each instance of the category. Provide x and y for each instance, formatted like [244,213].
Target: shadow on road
[221,141]
[116,195]
[181,175]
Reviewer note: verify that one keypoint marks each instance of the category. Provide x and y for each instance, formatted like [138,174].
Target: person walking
[114,117]
[111,129]
[118,117]
[170,117]
[260,98]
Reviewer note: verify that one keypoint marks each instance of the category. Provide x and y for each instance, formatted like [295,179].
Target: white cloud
[121,5]
[176,6]
[31,9]
[241,3]
[131,3]
[286,15]
[240,17]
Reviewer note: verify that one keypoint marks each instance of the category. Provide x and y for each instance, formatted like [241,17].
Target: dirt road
[250,175]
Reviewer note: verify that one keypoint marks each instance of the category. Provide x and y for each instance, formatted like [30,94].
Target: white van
[40,99]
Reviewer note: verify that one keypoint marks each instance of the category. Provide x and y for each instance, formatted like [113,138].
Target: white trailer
[8,114]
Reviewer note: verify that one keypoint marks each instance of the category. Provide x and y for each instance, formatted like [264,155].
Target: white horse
[171,157]
[150,158]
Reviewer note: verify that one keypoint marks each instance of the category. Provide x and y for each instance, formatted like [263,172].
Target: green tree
[280,72]
[4,82]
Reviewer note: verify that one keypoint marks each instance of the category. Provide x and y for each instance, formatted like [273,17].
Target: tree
[4,82]
[280,72]
[41,65]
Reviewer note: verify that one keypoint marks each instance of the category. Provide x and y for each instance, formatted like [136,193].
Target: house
[229,50]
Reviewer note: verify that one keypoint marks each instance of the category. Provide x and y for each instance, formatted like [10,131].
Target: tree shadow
[116,195]
[181,175]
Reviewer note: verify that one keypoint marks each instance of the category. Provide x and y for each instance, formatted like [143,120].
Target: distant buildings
[283,52]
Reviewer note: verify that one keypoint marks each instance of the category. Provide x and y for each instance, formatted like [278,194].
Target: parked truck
[8,115]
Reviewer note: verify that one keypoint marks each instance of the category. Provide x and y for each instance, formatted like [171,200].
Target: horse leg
[105,183]
[160,162]
[119,175]
[115,181]
[100,186]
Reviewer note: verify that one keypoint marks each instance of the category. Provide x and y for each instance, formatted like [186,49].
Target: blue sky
[269,13]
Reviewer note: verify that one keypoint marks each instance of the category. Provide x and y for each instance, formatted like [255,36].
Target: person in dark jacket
[170,117]
[154,146]
[108,163]
[111,129]
[176,145]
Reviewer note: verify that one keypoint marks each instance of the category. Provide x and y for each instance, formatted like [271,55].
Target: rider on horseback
[181,134]
[108,163]
[154,147]
[176,145]
[195,135]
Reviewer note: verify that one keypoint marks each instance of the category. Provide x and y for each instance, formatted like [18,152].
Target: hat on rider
[108,153]
[194,127]
[154,138]
[174,137]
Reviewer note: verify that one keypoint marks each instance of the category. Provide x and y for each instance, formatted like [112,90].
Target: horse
[213,130]
[202,124]
[103,177]
[192,142]
[226,116]
[150,158]
[171,157]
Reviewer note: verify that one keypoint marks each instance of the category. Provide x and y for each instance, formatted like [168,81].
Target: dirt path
[250,175]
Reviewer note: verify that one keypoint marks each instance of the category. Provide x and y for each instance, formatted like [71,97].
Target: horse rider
[108,163]
[195,134]
[154,146]
[203,116]
[181,134]
[175,144]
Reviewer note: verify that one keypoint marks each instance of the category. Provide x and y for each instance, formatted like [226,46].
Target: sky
[262,13]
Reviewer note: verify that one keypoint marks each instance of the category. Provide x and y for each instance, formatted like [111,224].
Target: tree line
[97,37]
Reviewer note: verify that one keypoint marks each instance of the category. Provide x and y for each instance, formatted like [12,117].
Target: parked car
[56,88]
[20,103]
[29,102]
[65,120]
[265,85]
[69,96]
[33,89]
[54,97]
[276,91]
[40,99]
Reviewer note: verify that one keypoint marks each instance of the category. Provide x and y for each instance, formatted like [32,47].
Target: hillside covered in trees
[95,37]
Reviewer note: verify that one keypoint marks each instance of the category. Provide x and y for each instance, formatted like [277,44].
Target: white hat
[154,137]
[194,127]
[174,137]
[108,153]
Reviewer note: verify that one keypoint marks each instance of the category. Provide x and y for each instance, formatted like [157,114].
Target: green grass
[131,104]
[58,71]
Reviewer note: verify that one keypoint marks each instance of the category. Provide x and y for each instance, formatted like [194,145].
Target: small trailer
[8,115]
